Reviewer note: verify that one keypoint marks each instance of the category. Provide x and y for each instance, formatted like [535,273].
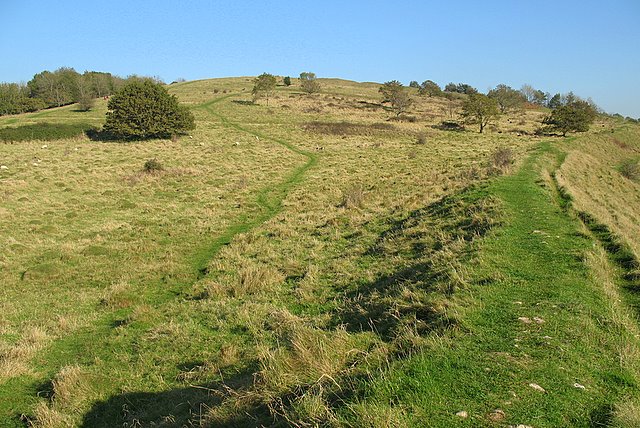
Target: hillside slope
[307,263]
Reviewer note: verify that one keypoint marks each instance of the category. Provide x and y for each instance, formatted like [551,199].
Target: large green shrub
[144,109]
[573,117]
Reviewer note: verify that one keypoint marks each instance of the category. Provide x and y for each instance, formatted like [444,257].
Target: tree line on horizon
[58,88]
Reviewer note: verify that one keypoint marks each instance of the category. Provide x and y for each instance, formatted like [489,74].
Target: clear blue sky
[589,47]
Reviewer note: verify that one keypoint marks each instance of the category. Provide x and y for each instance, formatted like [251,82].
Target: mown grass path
[268,198]
[537,345]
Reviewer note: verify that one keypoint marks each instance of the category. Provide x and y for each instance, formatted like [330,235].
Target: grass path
[20,392]
[538,345]
[268,198]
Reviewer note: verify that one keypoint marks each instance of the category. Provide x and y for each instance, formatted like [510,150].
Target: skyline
[554,46]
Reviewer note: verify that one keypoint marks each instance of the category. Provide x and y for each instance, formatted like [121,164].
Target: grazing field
[313,261]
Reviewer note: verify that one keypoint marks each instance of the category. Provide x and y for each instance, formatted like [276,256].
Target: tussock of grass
[70,389]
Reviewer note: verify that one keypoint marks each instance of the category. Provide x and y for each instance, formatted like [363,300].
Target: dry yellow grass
[590,175]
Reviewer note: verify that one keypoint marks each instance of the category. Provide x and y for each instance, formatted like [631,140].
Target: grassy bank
[538,347]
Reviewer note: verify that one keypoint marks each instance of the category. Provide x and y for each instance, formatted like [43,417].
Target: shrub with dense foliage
[144,109]
[574,117]
[460,88]
[429,88]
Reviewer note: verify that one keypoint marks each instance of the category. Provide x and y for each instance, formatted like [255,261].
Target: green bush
[153,165]
[44,131]
[630,168]
[144,109]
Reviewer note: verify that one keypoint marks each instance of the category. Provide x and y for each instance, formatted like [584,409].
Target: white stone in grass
[462,414]
[537,387]
[44,146]
[4,167]
[524,320]
[579,386]
[538,320]
[35,164]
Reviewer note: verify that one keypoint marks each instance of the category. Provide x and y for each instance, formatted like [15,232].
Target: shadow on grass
[383,305]
[177,407]
[244,102]
[435,242]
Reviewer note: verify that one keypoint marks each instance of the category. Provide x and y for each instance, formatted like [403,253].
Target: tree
[86,94]
[430,88]
[144,109]
[309,82]
[287,81]
[533,95]
[396,94]
[573,117]
[461,88]
[506,97]
[414,84]
[263,86]
[480,109]
[555,102]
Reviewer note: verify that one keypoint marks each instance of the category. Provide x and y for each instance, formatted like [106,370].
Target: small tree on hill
[429,88]
[507,98]
[397,95]
[309,82]
[460,88]
[144,109]
[480,109]
[574,117]
[263,86]
[287,81]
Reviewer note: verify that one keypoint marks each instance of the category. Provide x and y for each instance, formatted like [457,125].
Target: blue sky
[589,47]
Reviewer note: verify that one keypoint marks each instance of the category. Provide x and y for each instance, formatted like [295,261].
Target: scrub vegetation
[326,257]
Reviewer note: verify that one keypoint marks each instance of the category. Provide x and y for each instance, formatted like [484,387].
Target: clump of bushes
[630,168]
[152,165]
[502,158]
[44,132]
[421,138]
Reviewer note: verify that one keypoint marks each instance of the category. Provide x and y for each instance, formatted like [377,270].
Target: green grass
[288,264]
[490,363]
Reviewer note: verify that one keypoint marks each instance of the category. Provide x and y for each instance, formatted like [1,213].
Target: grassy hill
[315,262]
